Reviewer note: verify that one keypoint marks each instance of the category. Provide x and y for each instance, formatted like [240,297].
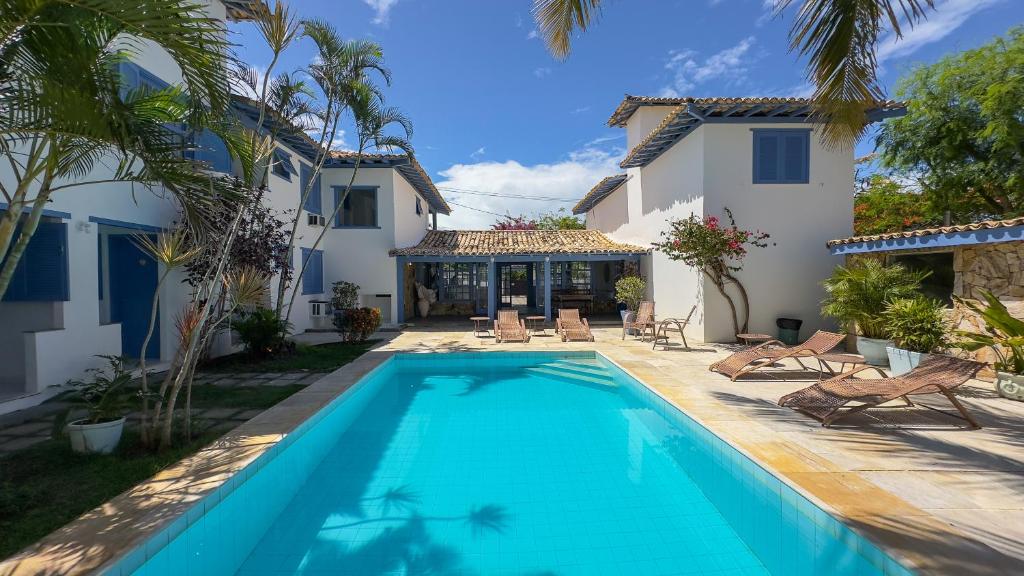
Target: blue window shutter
[338,218]
[42,272]
[795,157]
[316,196]
[313,278]
[766,157]
[211,149]
[313,202]
[129,77]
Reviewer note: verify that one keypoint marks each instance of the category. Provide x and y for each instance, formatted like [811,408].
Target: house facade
[761,158]
[84,288]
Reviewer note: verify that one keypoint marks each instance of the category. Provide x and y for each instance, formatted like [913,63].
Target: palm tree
[64,111]
[838,37]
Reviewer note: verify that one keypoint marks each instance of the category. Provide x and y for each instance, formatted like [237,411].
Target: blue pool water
[530,464]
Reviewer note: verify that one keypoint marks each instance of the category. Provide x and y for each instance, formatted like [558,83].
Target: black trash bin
[789,330]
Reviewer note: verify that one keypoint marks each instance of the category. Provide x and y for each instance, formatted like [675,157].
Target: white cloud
[580,110]
[478,153]
[568,179]
[381,9]
[533,34]
[947,17]
[542,72]
[729,66]
[603,139]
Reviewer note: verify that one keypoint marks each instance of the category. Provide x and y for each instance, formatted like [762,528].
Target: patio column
[547,289]
[492,289]
[400,290]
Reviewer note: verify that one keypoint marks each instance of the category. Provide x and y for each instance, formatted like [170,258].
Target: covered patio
[476,272]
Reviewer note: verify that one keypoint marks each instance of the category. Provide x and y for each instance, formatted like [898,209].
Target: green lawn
[321,358]
[47,485]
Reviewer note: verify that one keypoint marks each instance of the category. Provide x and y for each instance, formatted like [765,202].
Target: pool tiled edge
[912,536]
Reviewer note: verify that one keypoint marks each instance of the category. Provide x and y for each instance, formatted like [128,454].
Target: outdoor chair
[643,320]
[509,328]
[825,401]
[571,327]
[664,326]
[772,351]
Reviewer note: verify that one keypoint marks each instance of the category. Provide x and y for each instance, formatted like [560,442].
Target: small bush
[357,324]
[858,294]
[631,291]
[346,294]
[261,331]
[916,324]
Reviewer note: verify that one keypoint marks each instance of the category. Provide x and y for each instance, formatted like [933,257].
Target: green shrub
[261,331]
[631,290]
[346,294]
[357,324]
[859,294]
[1005,334]
[917,324]
[105,393]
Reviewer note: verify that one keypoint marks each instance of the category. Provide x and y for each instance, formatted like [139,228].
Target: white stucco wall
[708,170]
[643,122]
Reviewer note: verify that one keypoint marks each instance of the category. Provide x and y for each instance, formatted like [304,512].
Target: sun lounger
[509,328]
[770,352]
[571,327]
[827,401]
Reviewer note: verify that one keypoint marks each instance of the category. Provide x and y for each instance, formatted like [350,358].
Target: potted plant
[917,327]
[630,290]
[857,295]
[106,397]
[1004,334]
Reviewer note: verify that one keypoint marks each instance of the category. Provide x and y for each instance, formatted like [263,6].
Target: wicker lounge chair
[825,401]
[770,352]
[643,320]
[509,328]
[665,326]
[571,327]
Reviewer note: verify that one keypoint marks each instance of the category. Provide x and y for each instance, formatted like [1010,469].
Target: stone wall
[998,268]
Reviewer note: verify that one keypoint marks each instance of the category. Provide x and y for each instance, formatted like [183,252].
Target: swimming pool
[505,463]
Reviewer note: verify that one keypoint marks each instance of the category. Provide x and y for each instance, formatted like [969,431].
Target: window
[313,278]
[135,77]
[457,280]
[283,166]
[419,207]
[359,210]
[209,148]
[314,202]
[939,284]
[782,156]
[570,276]
[42,272]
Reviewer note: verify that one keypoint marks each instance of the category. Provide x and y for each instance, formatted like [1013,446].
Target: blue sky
[494,113]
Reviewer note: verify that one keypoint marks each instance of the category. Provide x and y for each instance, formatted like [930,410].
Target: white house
[84,288]
[759,157]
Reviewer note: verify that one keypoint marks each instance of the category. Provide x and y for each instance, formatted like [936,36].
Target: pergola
[494,247]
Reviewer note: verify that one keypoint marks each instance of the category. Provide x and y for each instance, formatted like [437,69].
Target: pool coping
[118,533]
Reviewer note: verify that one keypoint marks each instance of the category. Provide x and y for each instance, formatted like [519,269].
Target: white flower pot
[424,307]
[873,350]
[99,438]
[902,361]
[1010,385]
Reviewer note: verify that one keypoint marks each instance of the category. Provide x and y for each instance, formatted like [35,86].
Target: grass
[47,485]
[321,358]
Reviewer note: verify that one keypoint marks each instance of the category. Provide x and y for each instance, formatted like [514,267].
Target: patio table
[476,325]
[531,324]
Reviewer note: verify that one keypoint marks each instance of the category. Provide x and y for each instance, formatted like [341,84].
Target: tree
[559,220]
[839,38]
[64,111]
[717,251]
[509,222]
[963,134]
[882,205]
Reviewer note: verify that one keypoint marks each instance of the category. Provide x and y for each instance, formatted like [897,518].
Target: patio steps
[581,374]
[578,367]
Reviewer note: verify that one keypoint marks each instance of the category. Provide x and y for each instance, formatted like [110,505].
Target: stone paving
[942,498]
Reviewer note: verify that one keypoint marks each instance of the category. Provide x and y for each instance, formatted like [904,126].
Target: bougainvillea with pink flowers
[717,249]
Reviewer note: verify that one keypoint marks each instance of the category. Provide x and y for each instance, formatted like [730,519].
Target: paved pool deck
[943,498]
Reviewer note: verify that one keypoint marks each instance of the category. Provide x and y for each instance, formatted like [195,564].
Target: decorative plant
[104,393]
[858,294]
[631,290]
[357,324]
[260,330]
[346,294]
[717,250]
[917,324]
[1004,334]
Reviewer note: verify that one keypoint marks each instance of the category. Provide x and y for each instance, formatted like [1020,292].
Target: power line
[499,195]
[478,209]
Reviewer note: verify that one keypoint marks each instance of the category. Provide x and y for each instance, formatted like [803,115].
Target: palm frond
[558,19]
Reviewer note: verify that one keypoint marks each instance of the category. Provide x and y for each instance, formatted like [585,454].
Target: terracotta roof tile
[600,190]
[515,242]
[986,225]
